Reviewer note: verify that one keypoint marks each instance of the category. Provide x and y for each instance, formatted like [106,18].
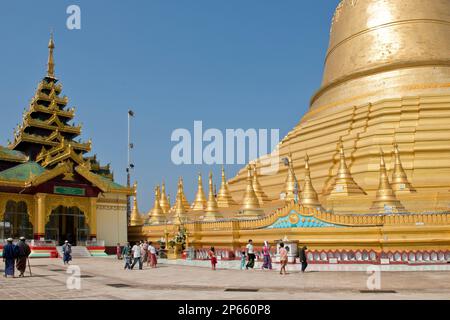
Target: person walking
[152,255]
[251,255]
[136,256]
[67,252]
[283,258]
[145,252]
[126,250]
[243,259]
[267,259]
[22,256]
[118,251]
[303,258]
[212,256]
[10,254]
[127,258]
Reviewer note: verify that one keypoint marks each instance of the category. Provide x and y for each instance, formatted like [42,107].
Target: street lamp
[130,166]
[287,163]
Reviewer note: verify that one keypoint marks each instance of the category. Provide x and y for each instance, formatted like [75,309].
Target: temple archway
[67,223]
[16,221]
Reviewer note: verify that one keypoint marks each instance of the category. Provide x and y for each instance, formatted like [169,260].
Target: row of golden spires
[255,198]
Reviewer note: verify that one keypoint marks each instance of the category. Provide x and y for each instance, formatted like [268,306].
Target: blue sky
[231,64]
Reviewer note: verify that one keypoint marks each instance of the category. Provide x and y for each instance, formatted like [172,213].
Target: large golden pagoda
[386,80]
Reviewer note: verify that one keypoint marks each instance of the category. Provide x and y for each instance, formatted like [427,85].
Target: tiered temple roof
[46,134]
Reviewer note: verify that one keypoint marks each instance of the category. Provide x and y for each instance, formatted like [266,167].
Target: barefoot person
[67,252]
[9,256]
[283,258]
[303,258]
[137,258]
[267,260]
[153,260]
[22,256]
[212,256]
[251,255]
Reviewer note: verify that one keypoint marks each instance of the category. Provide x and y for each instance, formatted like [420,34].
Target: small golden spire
[156,215]
[51,62]
[135,218]
[344,184]
[212,210]
[186,204]
[251,207]
[262,197]
[291,181]
[385,199]
[199,203]
[224,199]
[180,210]
[164,201]
[400,181]
[309,196]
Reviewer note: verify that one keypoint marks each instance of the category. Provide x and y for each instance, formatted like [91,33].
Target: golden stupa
[164,200]
[199,203]
[386,80]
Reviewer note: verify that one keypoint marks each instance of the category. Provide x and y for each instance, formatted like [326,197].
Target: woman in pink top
[283,258]
[267,260]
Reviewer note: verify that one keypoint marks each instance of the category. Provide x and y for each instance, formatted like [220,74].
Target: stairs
[77,252]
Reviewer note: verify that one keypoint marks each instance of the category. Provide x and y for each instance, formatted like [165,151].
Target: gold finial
[164,202]
[385,201]
[262,197]
[51,62]
[400,181]
[186,204]
[224,199]
[135,218]
[344,184]
[309,196]
[212,210]
[199,203]
[180,210]
[156,215]
[251,207]
[291,181]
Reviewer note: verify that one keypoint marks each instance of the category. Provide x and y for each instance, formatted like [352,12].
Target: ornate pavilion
[367,174]
[49,189]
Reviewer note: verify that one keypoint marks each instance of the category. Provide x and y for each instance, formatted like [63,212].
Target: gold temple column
[40,215]
[93,218]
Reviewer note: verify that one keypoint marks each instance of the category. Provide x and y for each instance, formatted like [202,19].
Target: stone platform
[104,278]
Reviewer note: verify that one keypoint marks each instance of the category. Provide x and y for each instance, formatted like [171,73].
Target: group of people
[248,257]
[142,252]
[16,256]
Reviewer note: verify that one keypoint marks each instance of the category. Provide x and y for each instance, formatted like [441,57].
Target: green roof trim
[111,183]
[22,172]
[12,155]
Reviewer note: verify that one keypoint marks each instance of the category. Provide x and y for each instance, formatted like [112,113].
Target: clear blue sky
[232,64]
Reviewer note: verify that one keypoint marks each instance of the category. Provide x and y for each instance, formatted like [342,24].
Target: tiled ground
[183,282]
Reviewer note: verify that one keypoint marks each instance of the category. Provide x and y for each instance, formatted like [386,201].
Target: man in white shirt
[136,256]
[251,255]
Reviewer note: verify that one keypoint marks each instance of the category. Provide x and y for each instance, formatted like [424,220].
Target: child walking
[128,261]
[243,260]
[212,256]
[283,258]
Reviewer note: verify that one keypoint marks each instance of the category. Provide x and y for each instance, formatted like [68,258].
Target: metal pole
[128,172]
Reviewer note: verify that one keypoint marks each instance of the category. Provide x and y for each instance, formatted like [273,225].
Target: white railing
[91,243]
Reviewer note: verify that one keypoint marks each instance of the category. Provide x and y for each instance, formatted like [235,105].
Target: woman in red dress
[212,256]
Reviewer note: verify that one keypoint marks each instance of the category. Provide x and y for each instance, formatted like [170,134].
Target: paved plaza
[104,278]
